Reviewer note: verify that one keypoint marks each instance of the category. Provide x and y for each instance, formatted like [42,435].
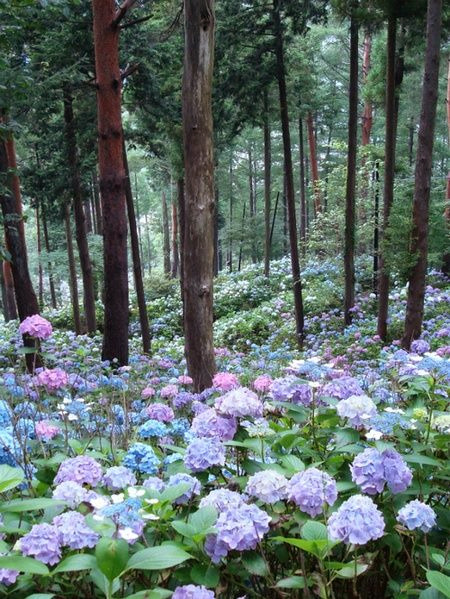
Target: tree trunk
[87,214]
[181,225]
[97,203]
[216,259]
[267,185]
[149,244]
[367,118]
[138,222]
[175,252]
[314,166]
[166,234]
[446,256]
[389,172]
[199,190]
[350,202]
[47,249]
[10,299]
[411,141]
[39,253]
[112,180]
[303,215]
[137,270]
[78,209]
[72,271]
[419,239]
[230,214]
[252,211]
[290,196]
[376,183]
[241,242]
[4,300]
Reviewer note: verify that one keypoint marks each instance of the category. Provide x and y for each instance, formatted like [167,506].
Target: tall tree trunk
[138,222]
[137,270]
[4,300]
[350,202]
[149,244]
[181,226]
[166,234]
[251,204]
[411,141]
[314,166]
[376,184]
[419,239]
[389,173]
[367,118]
[80,220]
[199,190]
[87,214]
[267,184]
[241,241]
[112,180]
[11,206]
[216,230]
[446,256]
[303,215]
[51,282]
[10,299]
[175,252]
[73,283]
[97,203]
[230,215]
[290,196]
[39,253]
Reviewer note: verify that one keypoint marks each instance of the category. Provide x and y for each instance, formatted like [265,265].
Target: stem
[355,575]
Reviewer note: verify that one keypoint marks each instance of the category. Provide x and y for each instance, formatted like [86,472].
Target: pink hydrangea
[225,381]
[52,378]
[263,383]
[36,327]
[147,392]
[169,391]
[45,431]
[184,379]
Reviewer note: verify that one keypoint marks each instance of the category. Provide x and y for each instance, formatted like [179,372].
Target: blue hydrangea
[372,469]
[152,428]
[222,499]
[178,427]
[154,483]
[141,458]
[204,452]
[194,486]
[417,515]
[126,514]
[356,522]
[385,422]
[118,477]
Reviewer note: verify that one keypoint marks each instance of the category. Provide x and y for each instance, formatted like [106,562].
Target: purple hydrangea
[154,483]
[203,453]
[118,477]
[191,591]
[357,521]
[210,424]
[417,515]
[237,529]
[420,346]
[222,499]
[52,379]
[42,543]
[396,472]
[183,399]
[82,470]
[70,492]
[225,381]
[240,403]
[268,486]
[73,532]
[371,470]
[194,489]
[7,576]
[292,389]
[36,327]
[358,409]
[160,412]
[310,489]
[341,388]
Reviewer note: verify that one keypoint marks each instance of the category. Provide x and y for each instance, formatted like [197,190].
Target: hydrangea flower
[141,458]
[82,469]
[357,521]
[194,489]
[169,391]
[36,327]
[152,428]
[71,492]
[341,388]
[118,477]
[203,453]
[238,529]
[268,486]
[191,591]
[396,472]
[292,389]
[358,409]
[263,383]
[42,543]
[210,424]
[184,379]
[417,515]
[73,532]
[52,379]
[45,431]
[8,577]
[160,412]
[147,392]
[240,403]
[154,483]
[225,381]
[310,489]
[125,514]
[420,346]
[371,470]
[222,499]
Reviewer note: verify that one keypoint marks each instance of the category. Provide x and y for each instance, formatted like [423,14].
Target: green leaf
[254,563]
[423,460]
[100,580]
[28,565]
[203,519]
[318,548]
[151,594]
[292,582]
[172,493]
[439,581]
[184,528]
[10,477]
[41,596]
[313,531]
[112,557]
[157,558]
[348,571]
[431,593]
[28,505]
[203,574]
[75,563]
[292,463]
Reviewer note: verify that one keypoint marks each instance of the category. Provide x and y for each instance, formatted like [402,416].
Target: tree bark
[199,190]
[230,215]
[314,166]
[350,202]
[50,267]
[72,271]
[78,209]
[289,177]
[166,234]
[252,211]
[39,253]
[376,209]
[10,299]
[267,185]
[303,215]
[422,176]
[181,225]
[389,173]
[446,256]
[112,181]
[137,270]
[175,251]
[97,204]
[367,118]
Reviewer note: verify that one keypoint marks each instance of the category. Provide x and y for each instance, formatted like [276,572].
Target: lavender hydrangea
[222,499]
[310,489]
[358,409]
[341,388]
[141,458]
[36,327]
[154,483]
[420,346]
[42,543]
[194,488]
[372,469]
[203,453]
[210,424]
[240,403]
[417,515]
[118,477]
[71,492]
[396,472]
[357,521]
[268,486]
[73,532]
[82,470]
[160,412]
[237,529]
[8,577]
[292,389]
[191,591]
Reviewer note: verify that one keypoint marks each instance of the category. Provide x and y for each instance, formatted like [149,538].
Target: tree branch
[136,22]
[122,11]
[129,70]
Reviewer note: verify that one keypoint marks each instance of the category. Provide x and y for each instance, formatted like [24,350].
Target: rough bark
[422,175]
[446,256]
[73,284]
[252,204]
[389,169]
[10,299]
[181,226]
[267,185]
[175,251]
[314,166]
[51,282]
[367,118]
[230,216]
[199,190]
[112,181]
[4,301]
[303,215]
[39,253]
[350,201]
[97,204]
[376,209]
[289,177]
[166,234]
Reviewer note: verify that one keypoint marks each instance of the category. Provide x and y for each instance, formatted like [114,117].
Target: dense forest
[224,324]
